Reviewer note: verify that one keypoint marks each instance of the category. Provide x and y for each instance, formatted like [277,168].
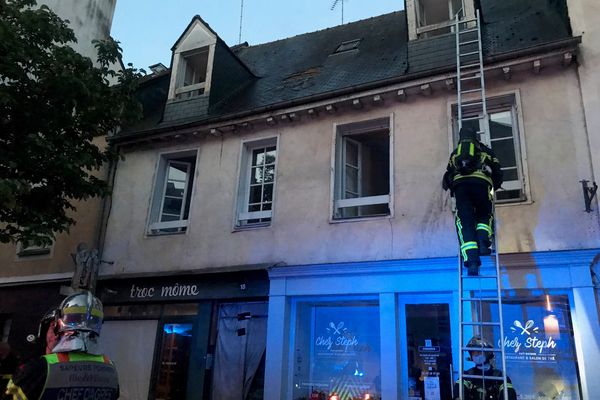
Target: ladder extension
[474,291]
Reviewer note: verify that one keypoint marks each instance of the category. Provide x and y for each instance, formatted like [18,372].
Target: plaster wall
[585,21]
[421,225]
[87,217]
[90,19]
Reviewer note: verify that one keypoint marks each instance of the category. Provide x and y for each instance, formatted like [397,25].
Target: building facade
[317,160]
[31,277]
[278,228]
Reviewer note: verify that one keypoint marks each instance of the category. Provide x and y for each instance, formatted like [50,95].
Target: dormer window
[193,56]
[193,74]
[347,46]
[429,18]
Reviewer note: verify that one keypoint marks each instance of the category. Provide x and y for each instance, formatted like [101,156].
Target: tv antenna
[334,5]
[241,18]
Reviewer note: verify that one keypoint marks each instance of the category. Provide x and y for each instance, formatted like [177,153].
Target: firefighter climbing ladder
[475,299]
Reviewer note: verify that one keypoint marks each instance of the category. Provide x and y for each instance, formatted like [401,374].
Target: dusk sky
[147,29]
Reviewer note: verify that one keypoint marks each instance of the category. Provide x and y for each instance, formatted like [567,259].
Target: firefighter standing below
[483,389]
[472,171]
[73,368]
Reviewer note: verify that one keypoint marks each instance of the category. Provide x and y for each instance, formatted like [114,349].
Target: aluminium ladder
[474,291]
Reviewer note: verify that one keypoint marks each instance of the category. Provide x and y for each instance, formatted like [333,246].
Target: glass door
[426,347]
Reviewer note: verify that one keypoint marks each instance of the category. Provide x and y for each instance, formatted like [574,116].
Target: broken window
[192,74]
[362,172]
[435,17]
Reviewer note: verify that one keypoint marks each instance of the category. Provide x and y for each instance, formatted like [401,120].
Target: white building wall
[422,224]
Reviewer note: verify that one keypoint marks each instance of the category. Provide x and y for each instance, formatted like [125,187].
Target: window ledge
[155,234]
[515,203]
[251,227]
[360,219]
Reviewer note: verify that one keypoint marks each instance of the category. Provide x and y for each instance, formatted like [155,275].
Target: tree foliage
[53,103]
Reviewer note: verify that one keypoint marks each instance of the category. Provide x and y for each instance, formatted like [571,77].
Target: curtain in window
[241,343]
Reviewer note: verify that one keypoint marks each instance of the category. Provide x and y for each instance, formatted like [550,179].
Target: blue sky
[148,28]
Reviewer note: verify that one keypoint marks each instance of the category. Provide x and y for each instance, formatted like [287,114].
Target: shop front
[187,337]
[390,330]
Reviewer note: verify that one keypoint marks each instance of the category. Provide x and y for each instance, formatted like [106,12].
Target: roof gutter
[565,43]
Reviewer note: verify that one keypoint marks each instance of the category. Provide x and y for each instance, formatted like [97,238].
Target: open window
[504,137]
[257,183]
[172,193]
[436,17]
[193,67]
[362,169]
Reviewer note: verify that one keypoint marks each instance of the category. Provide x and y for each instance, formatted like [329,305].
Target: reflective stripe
[55,358]
[83,310]
[508,385]
[476,174]
[467,246]
[484,227]
[5,376]
[15,391]
[471,149]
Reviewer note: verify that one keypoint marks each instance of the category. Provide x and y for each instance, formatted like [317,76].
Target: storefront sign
[432,388]
[527,342]
[171,291]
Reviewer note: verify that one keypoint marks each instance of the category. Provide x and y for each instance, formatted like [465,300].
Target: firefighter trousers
[474,219]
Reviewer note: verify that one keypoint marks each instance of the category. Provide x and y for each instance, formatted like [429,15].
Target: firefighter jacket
[488,170]
[73,375]
[475,389]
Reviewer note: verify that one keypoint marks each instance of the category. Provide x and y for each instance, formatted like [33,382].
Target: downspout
[107,205]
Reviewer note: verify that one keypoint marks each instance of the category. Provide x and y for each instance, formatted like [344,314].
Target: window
[336,350]
[172,193]
[435,17]
[347,46]
[538,342]
[33,250]
[192,74]
[362,169]
[257,183]
[504,140]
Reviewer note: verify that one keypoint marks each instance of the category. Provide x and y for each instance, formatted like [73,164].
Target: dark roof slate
[304,67]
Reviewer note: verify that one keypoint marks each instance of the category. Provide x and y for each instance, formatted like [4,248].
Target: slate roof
[304,67]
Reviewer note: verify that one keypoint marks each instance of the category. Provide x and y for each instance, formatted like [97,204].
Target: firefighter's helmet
[80,312]
[483,344]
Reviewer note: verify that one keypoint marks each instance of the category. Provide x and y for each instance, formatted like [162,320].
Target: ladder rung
[470,77]
[468,30]
[484,377]
[469,66]
[473,118]
[471,90]
[468,54]
[485,323]
[471,103]
[482,299]
[479,276]
[468,42]
[482,349]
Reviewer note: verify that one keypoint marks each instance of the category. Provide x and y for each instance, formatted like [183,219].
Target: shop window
[504,138]
[240,351]
[257,183]
[336,350]
[173,361]
[362,169]
[172,193]
[539,344]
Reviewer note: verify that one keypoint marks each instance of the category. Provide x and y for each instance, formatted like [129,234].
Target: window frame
[337,173]
[34,252]
[242,202]
[154,227]
[506,97]
[182,91]
[425,29]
